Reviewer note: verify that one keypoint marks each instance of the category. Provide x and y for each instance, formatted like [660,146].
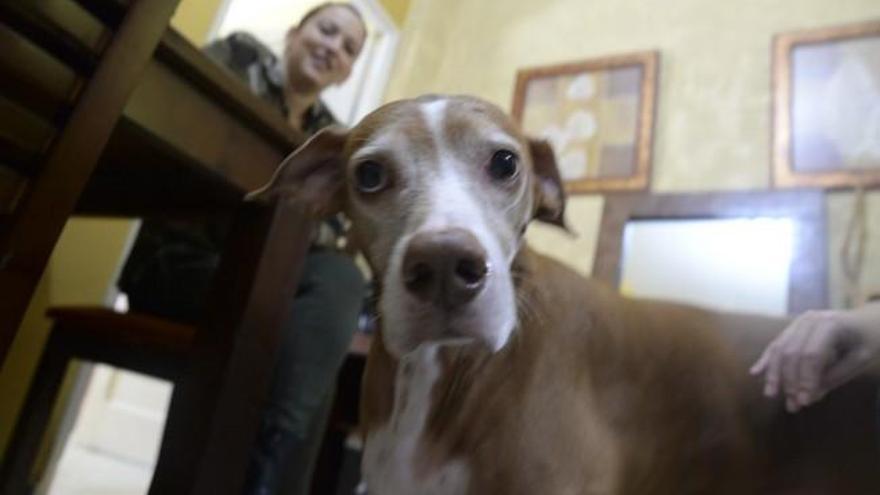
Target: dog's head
[439,191]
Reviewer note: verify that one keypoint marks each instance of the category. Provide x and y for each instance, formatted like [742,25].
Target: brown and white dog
[500,371]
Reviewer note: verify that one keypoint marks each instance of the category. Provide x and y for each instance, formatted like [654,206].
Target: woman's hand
[819,351]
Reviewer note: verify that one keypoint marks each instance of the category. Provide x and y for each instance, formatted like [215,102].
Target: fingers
[761,364]
[774,367]
[770,362]
[815,355]
[794,362]
[792,352]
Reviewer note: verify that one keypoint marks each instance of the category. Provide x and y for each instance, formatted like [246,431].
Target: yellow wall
[83,266]
[80,271]
[194,19]
[16,372]
[397,10]
[713,127]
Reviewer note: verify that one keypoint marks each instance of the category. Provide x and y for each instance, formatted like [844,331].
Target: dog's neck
[464,394]
[437,403]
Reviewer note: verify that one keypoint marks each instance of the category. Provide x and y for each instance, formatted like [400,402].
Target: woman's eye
[504,165]
[370,176]
[328,28]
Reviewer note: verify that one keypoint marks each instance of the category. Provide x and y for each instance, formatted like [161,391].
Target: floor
[83,471]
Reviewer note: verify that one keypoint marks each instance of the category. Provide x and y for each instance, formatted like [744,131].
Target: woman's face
[321,51]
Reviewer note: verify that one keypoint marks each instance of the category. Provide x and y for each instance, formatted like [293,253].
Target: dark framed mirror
[759,252]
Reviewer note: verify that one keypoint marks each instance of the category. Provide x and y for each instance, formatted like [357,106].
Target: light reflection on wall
[729,264]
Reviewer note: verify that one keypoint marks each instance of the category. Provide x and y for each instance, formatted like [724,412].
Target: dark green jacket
[255,65]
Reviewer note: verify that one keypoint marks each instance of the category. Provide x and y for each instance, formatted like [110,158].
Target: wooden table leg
[217,404]
[15,474]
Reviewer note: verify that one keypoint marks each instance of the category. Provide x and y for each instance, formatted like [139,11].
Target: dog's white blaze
[434,112]
[453,206]
[390,452]
[449,199]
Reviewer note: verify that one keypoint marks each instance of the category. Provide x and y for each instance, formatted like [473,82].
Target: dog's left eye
[370,176]
[504,165]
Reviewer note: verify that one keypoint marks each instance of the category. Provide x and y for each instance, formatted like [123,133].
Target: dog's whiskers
[528,310]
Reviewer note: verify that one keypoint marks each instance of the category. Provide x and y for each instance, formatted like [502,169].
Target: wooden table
[192,139]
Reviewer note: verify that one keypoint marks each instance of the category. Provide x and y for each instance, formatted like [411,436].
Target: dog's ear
[314,174]
[549,191]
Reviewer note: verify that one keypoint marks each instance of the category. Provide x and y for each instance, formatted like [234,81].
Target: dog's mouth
[486,321]
[450,330]
[451,340]
[434,327]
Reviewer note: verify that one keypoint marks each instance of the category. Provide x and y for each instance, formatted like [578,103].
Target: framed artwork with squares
[826,107]
[597,114]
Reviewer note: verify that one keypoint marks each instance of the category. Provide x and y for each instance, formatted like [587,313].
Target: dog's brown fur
[622,396]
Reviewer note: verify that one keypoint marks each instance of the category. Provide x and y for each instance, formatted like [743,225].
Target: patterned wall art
[598,116]
[826,105]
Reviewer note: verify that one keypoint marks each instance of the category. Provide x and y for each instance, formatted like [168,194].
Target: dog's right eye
[503,166]
[370,176]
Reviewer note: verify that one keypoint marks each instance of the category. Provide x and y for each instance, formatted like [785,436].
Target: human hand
[819,351]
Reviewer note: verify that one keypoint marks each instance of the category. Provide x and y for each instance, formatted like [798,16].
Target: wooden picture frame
[600,112]
[818,109]
[808,274]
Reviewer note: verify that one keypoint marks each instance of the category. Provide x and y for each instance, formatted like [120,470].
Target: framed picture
[826,107]
[598,116]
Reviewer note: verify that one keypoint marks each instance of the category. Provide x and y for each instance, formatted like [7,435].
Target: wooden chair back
[67,69]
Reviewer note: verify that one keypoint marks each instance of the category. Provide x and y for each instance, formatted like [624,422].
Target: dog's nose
[447,267]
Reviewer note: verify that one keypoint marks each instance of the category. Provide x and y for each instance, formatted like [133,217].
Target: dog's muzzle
[447,268]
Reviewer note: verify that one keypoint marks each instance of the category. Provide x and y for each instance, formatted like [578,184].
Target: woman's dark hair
[318,8]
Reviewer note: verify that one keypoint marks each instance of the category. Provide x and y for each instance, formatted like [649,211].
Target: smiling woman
[269,21]
[319,53]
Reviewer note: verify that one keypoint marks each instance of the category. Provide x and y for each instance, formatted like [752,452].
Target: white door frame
[377,62]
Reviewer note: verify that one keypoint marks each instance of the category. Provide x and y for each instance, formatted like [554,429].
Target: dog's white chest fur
[391,452]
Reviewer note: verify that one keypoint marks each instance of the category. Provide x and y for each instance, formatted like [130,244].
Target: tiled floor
[86,472]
